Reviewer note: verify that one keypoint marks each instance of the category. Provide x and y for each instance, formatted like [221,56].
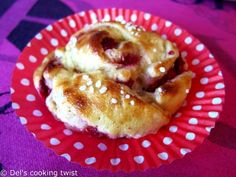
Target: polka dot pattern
[201,103]
[78,145]
[146,143]
[139,159]
[30,97]
[178,32]
[163,156]
[188,40]
[32,59]
[154,27]
[190,136]
[173,129]
[20,66]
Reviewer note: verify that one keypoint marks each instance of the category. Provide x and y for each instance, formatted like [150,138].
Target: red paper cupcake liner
[188,128]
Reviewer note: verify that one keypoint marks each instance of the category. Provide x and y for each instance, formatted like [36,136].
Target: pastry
[114,80]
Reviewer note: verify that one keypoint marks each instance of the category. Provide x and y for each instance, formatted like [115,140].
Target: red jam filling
[171,52]
[108,43]
[43,89]
[172,73]
[129,83]
[129,59]
[93,132]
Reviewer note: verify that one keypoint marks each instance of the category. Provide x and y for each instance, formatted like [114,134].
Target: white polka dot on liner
[12,90]
[146,143]
[78,145]
[219,86]
[167,140]
[193,121]
[82,13]
[190,136]
[102,147]
[197,107]
[67,132]
[220,73]
[32,59]
[115,161]
[124,147]
[119,18]
[107,17]
[154,27]
[199,47]
[63,33]
[208,129]
[139,159]
[213,114]
[184,151]
[29,44]
[178,32]
[39,36]
[147,16]
[200,94]
[195,62]
[49,28]
[45,127]
[188,40]
[173,129]
[30,97]
[208,68]
[25,82]
[67,156]
[20,66]
[37,113]
[93,16]
[133,17]
[163,155]
[204,80]
[54,141]
[54,42]
[23,120]
[43,51]
[72,23]
[184,54]
[90,160]
[168,23]
[216,100]
[211,56]
[163,36]
[15,105]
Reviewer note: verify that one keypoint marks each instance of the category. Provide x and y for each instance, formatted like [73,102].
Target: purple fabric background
[216,28]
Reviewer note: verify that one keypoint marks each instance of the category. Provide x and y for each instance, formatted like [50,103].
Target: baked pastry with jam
[115,80]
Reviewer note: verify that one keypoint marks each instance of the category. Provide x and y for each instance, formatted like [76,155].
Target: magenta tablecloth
[20,20]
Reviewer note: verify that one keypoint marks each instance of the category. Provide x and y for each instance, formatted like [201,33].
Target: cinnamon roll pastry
[114,79]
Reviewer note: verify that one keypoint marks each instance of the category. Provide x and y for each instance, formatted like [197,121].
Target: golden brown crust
[172,94]
[111,111]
